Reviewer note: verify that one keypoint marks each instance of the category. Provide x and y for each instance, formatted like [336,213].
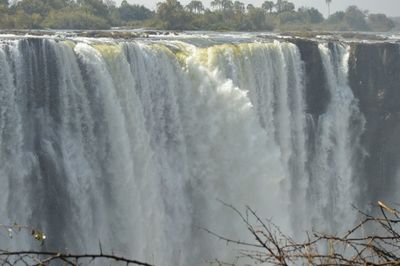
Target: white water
[133,144]
[333,188]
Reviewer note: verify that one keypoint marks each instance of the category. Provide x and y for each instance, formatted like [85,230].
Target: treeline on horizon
[224,15]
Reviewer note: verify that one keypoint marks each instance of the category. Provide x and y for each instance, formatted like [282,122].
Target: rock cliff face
[317,94]
[374,76]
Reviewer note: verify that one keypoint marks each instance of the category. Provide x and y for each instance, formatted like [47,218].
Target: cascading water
[332,190]
[132,144]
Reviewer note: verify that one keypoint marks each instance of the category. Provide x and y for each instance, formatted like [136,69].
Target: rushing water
[133,144]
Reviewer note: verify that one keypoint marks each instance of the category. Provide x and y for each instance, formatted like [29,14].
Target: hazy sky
[389,7]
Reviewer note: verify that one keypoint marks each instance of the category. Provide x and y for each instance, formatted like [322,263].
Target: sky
[388,7]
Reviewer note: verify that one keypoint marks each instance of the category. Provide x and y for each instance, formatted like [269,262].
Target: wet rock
[375,80]
[317,93]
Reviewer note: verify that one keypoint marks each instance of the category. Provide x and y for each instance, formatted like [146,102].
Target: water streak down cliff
[133,143]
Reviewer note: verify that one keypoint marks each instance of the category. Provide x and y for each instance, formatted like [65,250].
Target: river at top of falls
[134,144]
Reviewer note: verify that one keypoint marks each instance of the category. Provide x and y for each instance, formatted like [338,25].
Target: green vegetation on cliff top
[224,15]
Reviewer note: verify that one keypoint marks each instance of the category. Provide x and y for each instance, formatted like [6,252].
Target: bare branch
[379,247]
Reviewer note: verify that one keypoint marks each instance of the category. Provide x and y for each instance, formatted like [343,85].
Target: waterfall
[133,144]
[333,189]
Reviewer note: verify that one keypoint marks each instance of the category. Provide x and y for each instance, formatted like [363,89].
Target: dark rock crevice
[317,94]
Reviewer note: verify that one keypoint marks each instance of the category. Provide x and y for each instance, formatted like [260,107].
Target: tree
[257,19]
[355,18]
[59,4]
[172,14]
[328,3]
[291,18]
[284,6]
[268,6]
[310,15]
[288,6]
[95,7]
[33,7]
[216,4]
[250,7]
[226,4]
[4,18]
[380,22]
[74,19]
[195,6]
[128,12]
[239,7]
[336,17]
[110,3]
